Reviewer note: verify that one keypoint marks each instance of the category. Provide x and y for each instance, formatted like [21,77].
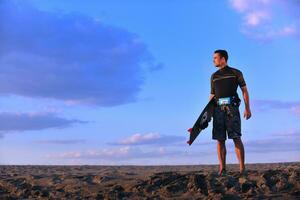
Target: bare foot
[243,172]
[242,169]
[222,172]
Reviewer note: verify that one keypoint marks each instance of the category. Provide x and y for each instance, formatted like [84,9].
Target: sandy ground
[263,181]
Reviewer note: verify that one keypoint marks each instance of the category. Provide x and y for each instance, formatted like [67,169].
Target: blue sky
[115,82]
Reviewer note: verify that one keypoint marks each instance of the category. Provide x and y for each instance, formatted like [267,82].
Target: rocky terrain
[262,181]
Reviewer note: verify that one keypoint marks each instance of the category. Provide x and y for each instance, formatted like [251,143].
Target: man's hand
[247,113]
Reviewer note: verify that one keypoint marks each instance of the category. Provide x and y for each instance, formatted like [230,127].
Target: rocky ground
[263,181]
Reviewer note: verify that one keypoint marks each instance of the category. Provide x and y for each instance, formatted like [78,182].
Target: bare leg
[222,154]
[240,153]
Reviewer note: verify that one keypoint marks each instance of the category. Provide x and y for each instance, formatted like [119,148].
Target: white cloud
[140,138]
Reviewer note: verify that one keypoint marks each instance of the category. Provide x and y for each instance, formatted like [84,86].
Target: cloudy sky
[120,82]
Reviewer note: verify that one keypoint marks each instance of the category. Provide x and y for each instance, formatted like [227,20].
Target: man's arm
[212,87]
[247,112]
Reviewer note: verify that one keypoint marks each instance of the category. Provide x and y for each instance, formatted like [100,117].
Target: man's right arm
[247,113]
[212,87]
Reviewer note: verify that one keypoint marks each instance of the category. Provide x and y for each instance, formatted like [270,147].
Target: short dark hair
[223,53]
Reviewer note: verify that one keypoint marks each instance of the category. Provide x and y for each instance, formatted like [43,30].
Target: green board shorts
[222,122]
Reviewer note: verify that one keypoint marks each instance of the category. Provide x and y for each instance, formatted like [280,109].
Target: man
[226,116]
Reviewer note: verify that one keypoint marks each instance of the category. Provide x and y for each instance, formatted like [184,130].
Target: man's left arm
[247,112]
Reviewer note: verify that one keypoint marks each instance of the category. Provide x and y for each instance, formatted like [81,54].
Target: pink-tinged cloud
[151,139]
[122,153]
[269,34]
[296,110]
[278,142]
[239,5]
[261,18]
[255,18]
[266,105]
[287,134]
[246,5]
[281,141]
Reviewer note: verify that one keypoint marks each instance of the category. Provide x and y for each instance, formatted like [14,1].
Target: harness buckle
[224,101]
[233,100]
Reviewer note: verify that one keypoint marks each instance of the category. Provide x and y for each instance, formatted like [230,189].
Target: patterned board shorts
[226,119]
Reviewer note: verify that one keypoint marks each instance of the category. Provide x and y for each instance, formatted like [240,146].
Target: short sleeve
[240,79]
[212,87]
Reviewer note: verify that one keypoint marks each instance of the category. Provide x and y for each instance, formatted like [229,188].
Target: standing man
[226,116]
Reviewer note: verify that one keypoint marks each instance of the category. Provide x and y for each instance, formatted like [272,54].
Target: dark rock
[296,193]
[246,187]
[163,178]
[100,196]
[198,183]
[45,193]
[230,197]
[230,182]
[117,192]
[36,187]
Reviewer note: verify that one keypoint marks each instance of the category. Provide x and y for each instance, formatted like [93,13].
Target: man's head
[220,57]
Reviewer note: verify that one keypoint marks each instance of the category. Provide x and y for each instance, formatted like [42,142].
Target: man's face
[218,60]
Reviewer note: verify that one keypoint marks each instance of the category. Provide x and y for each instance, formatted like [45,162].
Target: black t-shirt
[224,82]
